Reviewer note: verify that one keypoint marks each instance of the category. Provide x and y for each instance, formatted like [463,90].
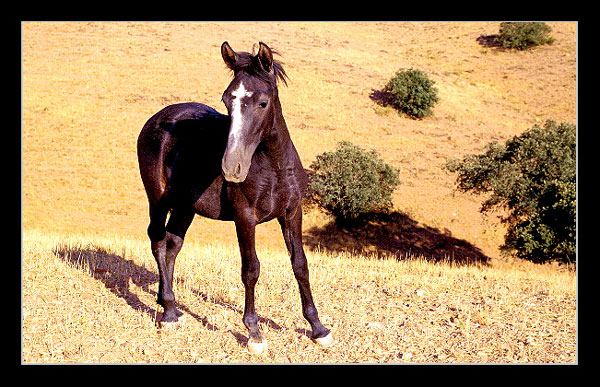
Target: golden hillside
[88,88]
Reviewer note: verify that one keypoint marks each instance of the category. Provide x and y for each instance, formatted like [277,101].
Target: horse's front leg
[250,272]
[291,226]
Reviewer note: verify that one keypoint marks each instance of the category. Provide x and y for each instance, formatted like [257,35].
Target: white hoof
[256,347]
[326,341]
[171,325]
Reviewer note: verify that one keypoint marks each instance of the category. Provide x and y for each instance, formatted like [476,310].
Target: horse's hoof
[171,325]
[326,341]
[257,347]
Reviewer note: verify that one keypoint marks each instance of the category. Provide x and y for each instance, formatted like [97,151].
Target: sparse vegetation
[352,181]
[412,92]
[533,177]
[524,35]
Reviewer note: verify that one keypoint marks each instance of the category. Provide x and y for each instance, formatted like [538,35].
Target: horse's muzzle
[234,176]
[235,166]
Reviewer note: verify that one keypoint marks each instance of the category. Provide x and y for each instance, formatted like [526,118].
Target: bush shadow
[117,274]
[381,98]
[393,234]
[490,41]
[385,99]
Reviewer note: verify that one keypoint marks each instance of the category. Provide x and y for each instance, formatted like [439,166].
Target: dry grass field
[89,281]
[92,299]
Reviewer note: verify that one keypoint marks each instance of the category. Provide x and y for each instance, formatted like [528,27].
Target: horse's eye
[262,104]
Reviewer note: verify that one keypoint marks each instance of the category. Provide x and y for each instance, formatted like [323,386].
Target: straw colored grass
[92,299]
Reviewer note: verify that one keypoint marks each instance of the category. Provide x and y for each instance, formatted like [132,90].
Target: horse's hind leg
[165,252]
[158,216]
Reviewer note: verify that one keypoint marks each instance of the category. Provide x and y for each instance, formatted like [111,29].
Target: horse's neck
[279,149]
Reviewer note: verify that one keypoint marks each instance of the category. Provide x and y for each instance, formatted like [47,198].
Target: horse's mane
[250,64]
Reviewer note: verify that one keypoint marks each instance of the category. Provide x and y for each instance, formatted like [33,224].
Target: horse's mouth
[234,179]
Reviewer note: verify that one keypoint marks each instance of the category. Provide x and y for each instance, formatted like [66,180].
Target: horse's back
[173,137]
[165,120]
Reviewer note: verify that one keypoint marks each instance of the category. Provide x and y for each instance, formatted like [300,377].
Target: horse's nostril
[238,169]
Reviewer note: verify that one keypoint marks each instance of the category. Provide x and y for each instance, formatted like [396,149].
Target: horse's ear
[265,55]
[229,56]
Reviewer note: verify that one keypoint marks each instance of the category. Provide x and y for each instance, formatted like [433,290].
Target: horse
[240,167]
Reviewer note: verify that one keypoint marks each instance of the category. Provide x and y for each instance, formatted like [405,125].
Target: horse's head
[250,99]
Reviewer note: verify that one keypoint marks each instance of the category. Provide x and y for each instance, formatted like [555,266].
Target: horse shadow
[117,274]
[393,234]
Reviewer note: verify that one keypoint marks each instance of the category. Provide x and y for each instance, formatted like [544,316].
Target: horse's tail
[152,146]
[151,151]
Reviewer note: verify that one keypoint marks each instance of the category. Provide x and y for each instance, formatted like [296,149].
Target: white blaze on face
[237,120]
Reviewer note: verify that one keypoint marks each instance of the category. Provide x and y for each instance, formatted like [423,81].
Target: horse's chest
[269,204]
[272,201]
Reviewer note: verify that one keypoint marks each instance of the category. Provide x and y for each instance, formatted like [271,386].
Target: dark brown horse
[240,167]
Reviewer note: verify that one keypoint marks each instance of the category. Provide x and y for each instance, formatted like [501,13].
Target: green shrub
[412,93]
[533,176]
[352,181]
[523,35]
